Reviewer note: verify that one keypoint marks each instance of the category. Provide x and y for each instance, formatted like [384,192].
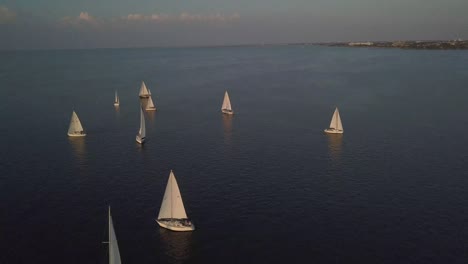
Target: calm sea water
[265,185]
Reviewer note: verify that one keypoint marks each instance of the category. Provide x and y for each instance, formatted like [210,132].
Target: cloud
[85,16]
[83,19]
[6,15]
[184,17]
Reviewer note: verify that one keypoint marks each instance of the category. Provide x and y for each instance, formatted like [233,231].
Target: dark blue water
[265,185]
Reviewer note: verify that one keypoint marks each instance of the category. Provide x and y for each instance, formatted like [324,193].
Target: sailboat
[116,100]
[336,127]
[150,105]
[141,136]
[75,129]
[144,92]
[172,213]
[114,254]
[226,107]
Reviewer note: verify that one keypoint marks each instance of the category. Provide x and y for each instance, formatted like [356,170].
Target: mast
[172,200]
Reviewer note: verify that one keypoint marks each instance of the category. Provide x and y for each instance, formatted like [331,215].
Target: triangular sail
[336,120]
[142,131]
[75,125]
[116,100]
[114,254]
[143,89]
[172,205]
[150,103]
[226,102]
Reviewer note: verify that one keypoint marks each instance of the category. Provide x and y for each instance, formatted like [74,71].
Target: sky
[70,24]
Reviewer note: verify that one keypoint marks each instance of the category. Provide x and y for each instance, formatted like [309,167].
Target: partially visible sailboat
[172,212]
[336,127]
[141,136]
[75,129]
[114,254]
[150,105]
[226,107]
[144,92]
[116,100]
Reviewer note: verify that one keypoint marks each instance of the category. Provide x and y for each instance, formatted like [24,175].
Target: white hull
[150,109]
[140,140]
[228,112]
[175,225]
[116,104]
[76,135]
[333,131]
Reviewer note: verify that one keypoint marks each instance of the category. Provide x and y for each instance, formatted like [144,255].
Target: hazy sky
[143,23]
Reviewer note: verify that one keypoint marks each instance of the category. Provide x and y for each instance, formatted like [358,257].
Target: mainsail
[143,90]
[226,102]
[142,130]
[336,120]
[116,101]
[172,205]
[114,254]
[150,104]
[75,125]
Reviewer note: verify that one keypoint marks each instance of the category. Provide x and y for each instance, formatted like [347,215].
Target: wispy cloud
[6,15]
[185,16]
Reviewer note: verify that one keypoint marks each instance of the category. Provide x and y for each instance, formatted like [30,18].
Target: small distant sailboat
[114,254]
[150,105]
[141,136]
[116,100]
[172,213]
[226,107]
[144,92]
[75,129]
[336,127]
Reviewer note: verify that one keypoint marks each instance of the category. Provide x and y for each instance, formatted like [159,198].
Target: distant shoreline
[404,44]
[419,44]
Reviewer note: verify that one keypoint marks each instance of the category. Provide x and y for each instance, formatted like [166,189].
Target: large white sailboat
[172,213]
[336,127]
[144,92]
[116,100]
[75,129]
[141,136]
[114,254]
[150,105]
[226,107]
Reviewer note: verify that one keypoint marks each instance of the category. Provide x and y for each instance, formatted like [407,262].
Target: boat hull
[145,96]
[76,135]
[175,225]
[333,131]
[228,112]
[150,109]
[140,140]
[116,104]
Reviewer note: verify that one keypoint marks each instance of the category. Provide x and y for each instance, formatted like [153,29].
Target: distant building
[361,43]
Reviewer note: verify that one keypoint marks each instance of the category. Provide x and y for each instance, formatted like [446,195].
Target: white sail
[172,205]
[336,120]
[149,92]
[114,254]
[75,125]
[143,90]
[116,100]
[226,102]
[150,104]
[142,131]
